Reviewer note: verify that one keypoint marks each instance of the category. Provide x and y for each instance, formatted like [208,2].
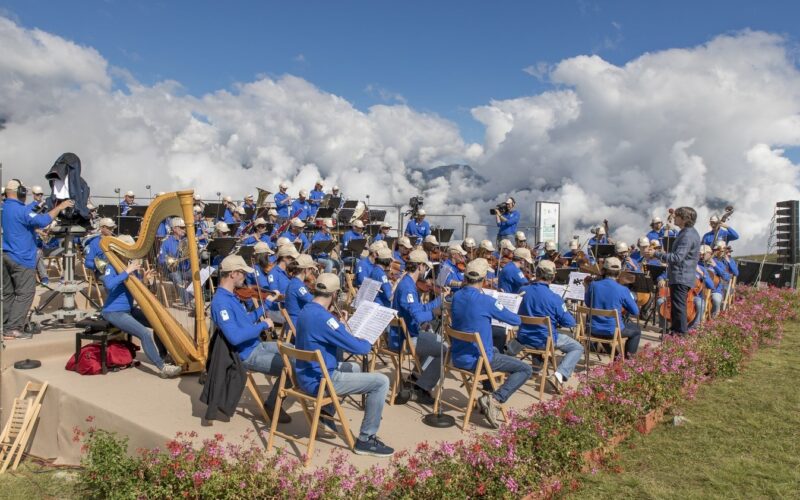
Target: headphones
[22,191]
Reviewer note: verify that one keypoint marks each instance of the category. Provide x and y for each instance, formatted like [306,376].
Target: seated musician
[272,217]
[507,219]
[120,312]
[383,233]
[722,252]
[417,228]
[570,255]
[380,273]
[471,247]
[599,237]
[324,234]
[278,278]
[403,249]
[539,301]
[430,244]
[127,202]
[520,241]
[363,267]
[455,257]
[172,259]
[550,251]
[230,208]
[264,258]
[301,209]
[726,234]
[202,229]
[259,233]
[512,277]
[417,317]
[318,329]
[221,230]
[606,293]
[163,229]
[473,312]
[638,253]
[243,329]
[249,203]
[356,232]
[282,201]
[715,268]
[658,230]
[486,250]
[93,249]
[198,201]
[297,295]
[628,264]
[295,233]
[315,198]
[506,249]
[238,218]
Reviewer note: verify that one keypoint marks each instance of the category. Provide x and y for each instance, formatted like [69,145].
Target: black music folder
[110,211]
[136,211]
[221,246]
[320,247]
[442,235]
[350,204]
[130,225]
[325,212]
[602,251]
[246,252]
[214,210]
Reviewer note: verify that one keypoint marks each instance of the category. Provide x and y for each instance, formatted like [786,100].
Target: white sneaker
[556,381]
[170,371]
[489,407]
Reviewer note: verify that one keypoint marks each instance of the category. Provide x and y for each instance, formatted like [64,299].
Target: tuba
[184,336]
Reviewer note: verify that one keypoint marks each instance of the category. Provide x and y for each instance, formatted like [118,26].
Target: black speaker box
[773,273]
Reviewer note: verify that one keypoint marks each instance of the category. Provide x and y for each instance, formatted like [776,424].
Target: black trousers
[678,294]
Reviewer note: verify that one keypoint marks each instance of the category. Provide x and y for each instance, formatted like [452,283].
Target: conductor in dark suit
[681,264]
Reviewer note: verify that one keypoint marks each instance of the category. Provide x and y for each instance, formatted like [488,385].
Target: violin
[250,292]
[395,271]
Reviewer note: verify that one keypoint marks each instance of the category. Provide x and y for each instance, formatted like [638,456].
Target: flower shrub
[536,452]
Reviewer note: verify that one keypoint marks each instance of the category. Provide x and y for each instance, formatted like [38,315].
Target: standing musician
[681,262]
[243,329]
[315,199]
[259,233]
[507,219]
[473,312]
[455,258]
[606,293]
[383,233]
[520,241]
[417,317]
[403,249]
[282,201]
[726,234]
[512,277]
[277,278]
[355,233]
[599,237]
[92,248]
[301,209]
[335,193]
[658,230]
[264,257]
[379,273]
[324,234]
[539,301]
[628,264]
[249,203]
[295,233]
[174,247]
[230,208]
[297,296]
[118,310]
[718,269]
[127,202]
[418,228]
[318,330]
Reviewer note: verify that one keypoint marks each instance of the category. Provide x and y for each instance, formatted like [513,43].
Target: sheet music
[560,290]
[575,289]
[370,320]
[205,273]
[444,273]
[367,292]
[510,301]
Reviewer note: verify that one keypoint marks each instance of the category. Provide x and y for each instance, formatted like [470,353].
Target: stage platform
[150,410]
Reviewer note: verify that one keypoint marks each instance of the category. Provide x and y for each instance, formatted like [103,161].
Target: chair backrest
[400,323]
[473,338]
[584,312]
[538,320]
[290,353]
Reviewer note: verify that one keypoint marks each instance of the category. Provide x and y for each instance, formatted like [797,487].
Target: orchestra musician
[363,267]
[315,199]
[726,234]
[174,248]
[249,203]
[264,257]
[230,208]
[272,218]
[455,259]
[301,209]
[722,254]
[335,193]
[198,201]
[277,278]
[403,249]
[638,254]
[486,250]
[471,247]
[243,329]
[417,317]
[550,251]
[418,228]
[507,219]
[119,310]
[621,250]
[92,248]
[539,301]
[572,253]
[356,232]
[512,277]
[37,204]
[681,263]
[715,268]
[238,218]
[383,233]
[318,330]
[221,230]
[658,230]
[297,295]
[429,244]
[599,238]
[324,234]
[606,293]
[520,241]
[506,249]
[282,201]
[383,261]
[473,311]
[202,228]
[295,233]
[127,202]
[259,233]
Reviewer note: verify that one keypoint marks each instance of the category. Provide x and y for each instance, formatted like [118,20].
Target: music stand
[562,275]
[136,211]
[221,246]
[390,240]
[350,204]
[246,252]
[333,202]
[109,211]
[442,235]
[213,211]
[325,213]
[373,229]
[322,247]
[354,248]
[345,215]
[234,226]
[130,225]
[377,215]
[667,242]
[249,213]
[603,251]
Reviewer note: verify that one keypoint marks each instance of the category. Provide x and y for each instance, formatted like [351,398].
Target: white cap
[262,247]
[507,245]
[240,210]
[235,263]
[656,243]
[288,251]
[385,225]
[421,212]
[621,247]
[319,182]
[612,264]
[714,218]
[37,190]
[705,249]
[469,242]
[358,224]
[178,222]
[196,209]
[222,227]
[303,193]
[524,254]
[487,245]
[272,211]
[644,241]
[431,239]
[720,244]
[573,245]
[328,222]
[335,188]
[248,197]
[260,222]
[129,193]
[456,248]
[298,223]
[284,185]
[520,236]
[283,240]
[107,222]
[403,241]
[600,231]
[228,199]
[655,220]
[549,245]
[196,197]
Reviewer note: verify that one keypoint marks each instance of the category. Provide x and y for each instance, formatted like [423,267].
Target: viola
[250,292]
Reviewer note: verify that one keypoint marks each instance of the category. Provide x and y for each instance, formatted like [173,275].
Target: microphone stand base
[439,420]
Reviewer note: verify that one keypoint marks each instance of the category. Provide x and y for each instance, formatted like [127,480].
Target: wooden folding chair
[730,293]
[22,419]
[615,341]
[350,289]
[93,284]
[471,379]
[547,353]
[709,305]
[407,352]
[289,332]
[325,395]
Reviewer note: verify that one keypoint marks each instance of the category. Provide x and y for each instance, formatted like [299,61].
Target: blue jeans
[135,323]
[572,350]
[348,379]
[328,263]
[716,304]
[700,307]
[518,373]
[181,281]
[266,359]
[429,351]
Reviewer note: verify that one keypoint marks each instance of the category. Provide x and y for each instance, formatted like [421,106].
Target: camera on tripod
[415,203]
[502,208]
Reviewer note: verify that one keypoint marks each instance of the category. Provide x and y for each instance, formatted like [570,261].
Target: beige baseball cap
[329,223]
[644,241]
[358,224]
[403,241]
[13,185]
[375,246]
[720,244]
[222,227]
[126,238]
[547,267]
[272,211]
[262,247]
[487,245]
[549,246]
[469,242]
[705,249]
[107,222]
[235,263]
[520,236]
[456,248]
[305,261]
[283,240]
[419,257]
[298,223]
[248,197]
[385,225]
[327,283]
[228,199]
[524,254]
[384,253]
[612,264]
[288,251]
[621,246]
[431,239]
[507,245]
[240,210]
[477,268]
[260,222]
[284,185]
[178,222]
[129,193]
[303,193]
[37,190]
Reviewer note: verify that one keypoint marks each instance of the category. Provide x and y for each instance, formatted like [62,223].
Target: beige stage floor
[150,410]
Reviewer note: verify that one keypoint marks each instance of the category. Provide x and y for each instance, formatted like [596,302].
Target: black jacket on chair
[225,378]
[68,166]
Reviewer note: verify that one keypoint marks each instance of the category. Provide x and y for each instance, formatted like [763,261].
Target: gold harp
[187,350]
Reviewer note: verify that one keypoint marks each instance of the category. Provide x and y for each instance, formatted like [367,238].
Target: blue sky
[442,57]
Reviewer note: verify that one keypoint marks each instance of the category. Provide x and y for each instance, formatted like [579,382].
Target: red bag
[119,354]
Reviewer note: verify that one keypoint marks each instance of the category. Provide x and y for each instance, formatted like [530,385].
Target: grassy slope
[743,439]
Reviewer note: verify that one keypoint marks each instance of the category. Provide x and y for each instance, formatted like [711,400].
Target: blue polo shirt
[242,329]
[540,302]
[509,226]
[301,208]
[455,274]
[351,235]
[125,207]
[19,232]
[608,294]
[406,302]
[417,230]
[314,200]
[227,217]
[92,250]
[384,296]
[399,258]
[716,268]
[363,269]
[320,236]
[289,235]
[473,312]
[277,280]
[511,278]
[297,296]
[282,204]
[317,329]
[119,299]
[725,234]
[170,248]
[252,240]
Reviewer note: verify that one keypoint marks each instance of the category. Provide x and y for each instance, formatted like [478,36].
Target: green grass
[32,481]
[742,441]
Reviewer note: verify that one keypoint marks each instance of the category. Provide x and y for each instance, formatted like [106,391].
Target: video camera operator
[417,228]
[507,219]
[19,258]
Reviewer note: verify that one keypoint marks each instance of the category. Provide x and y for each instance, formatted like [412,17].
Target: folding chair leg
[278,402]
[253,388]
[471,403]
[543,376]
[312,435]
[348,436]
